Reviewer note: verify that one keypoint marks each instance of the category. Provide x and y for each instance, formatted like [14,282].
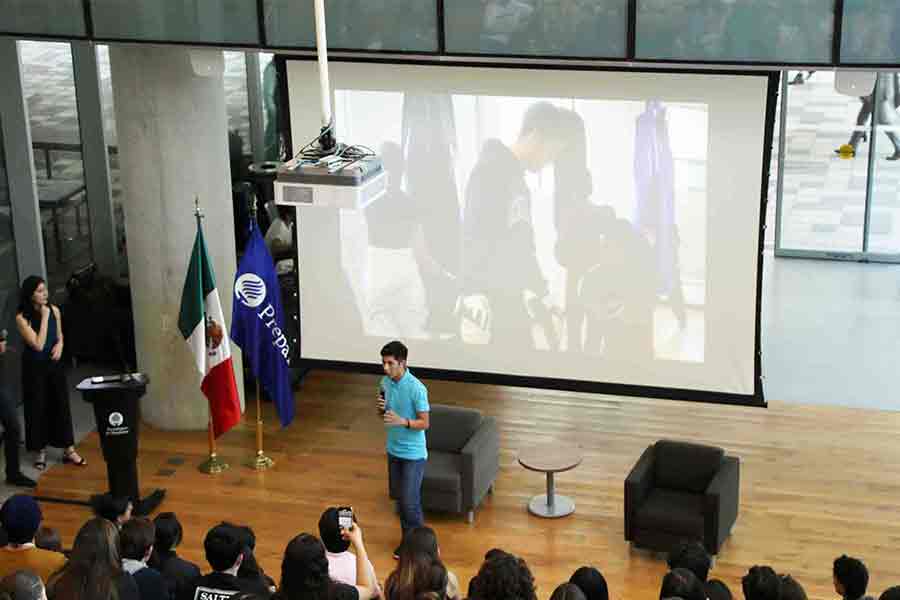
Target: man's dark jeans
[405,478]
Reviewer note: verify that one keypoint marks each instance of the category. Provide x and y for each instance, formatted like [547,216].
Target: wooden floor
[816,482]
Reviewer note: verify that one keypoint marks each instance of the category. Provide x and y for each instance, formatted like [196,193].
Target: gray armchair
[463,460]
[679,490]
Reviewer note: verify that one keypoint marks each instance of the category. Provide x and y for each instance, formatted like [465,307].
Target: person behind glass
[9,419]
[48,418]
[403,404]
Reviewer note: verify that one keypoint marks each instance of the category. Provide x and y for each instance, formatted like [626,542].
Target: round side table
[550,459]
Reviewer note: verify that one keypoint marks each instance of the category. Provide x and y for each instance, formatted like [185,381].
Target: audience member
[681,583]
[224,552]
[761,583]
[567,591]
[113,509]
[791,589]
[48,538]
[851,578]
[250,569]
[22,585]
[691,555]
[504,577]
[94,569]
[21,517]
[419,571]
[591,583]
[717,590]
[177,572]
[489,555]
[136,540]
[421,542]
[341,562]
[892,593]
[304,571]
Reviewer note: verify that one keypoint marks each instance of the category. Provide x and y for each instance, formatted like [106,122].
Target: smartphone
[381,395]
[345,518]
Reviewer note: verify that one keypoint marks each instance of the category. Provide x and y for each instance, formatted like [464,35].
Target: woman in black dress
[48,418]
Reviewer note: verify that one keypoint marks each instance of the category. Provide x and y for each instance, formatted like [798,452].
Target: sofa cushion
[442,473]
[679,513]
[451,427]
[683,466]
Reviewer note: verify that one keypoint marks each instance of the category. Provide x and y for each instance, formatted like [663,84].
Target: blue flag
[257,324]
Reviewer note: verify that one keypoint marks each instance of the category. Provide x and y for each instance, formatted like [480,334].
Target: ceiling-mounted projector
[325,173]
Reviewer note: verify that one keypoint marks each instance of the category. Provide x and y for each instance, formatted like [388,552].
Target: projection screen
[548,227]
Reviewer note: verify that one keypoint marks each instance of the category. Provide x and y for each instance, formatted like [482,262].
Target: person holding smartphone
[404,409]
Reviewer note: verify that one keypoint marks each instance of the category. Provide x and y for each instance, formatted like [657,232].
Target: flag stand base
[260,462]
[213,465]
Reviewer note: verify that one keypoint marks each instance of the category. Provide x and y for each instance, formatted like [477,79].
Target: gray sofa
[679,490]
[463,460]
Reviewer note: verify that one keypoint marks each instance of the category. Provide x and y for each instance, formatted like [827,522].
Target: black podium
[116,402]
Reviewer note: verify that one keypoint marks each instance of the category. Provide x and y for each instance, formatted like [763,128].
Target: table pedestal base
[561,506]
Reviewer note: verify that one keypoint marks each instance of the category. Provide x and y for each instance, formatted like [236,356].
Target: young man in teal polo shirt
[404,403]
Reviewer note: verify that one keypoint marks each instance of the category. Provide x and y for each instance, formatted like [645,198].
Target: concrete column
[172,132]
[95,158]
[23,194]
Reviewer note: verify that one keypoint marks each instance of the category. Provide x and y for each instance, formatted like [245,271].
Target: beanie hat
[20,517]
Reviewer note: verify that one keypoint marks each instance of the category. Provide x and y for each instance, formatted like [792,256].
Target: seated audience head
[94,566]
[691,555]
[136,538]
[224,550]
[892,593]
[851,578]
[791,589]
[504,577]
[20,517]
[717,590]
[113,509]
[681,583]
[48,538]
[249,569]
[304,569]
[330,532]
[591,582]
[168,532]
[420,572]
[420,541]
[567,591]
[22,585]
[761,583]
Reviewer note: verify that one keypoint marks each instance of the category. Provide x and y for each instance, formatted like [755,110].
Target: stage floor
[816,482]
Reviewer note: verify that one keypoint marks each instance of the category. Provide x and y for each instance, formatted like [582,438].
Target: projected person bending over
[502,284]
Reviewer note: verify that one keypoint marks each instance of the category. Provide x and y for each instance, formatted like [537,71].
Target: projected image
[571,225]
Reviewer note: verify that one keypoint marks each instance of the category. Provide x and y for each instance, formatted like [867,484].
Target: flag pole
[260,461]
[213,464]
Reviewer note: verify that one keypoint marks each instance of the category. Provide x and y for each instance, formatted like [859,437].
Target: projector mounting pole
[327,140]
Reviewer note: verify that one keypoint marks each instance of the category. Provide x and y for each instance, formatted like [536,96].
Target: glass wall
[589,28]
[726,30]
[403,25]
[841,190]
[47,17]
[49,86]
[221,21]
[871,32]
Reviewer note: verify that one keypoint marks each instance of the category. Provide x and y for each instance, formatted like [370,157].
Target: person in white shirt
[341,562]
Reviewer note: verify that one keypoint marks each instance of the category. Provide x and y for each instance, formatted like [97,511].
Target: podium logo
[116,419]
[250,289]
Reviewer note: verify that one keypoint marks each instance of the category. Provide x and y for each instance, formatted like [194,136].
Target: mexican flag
[203,326]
